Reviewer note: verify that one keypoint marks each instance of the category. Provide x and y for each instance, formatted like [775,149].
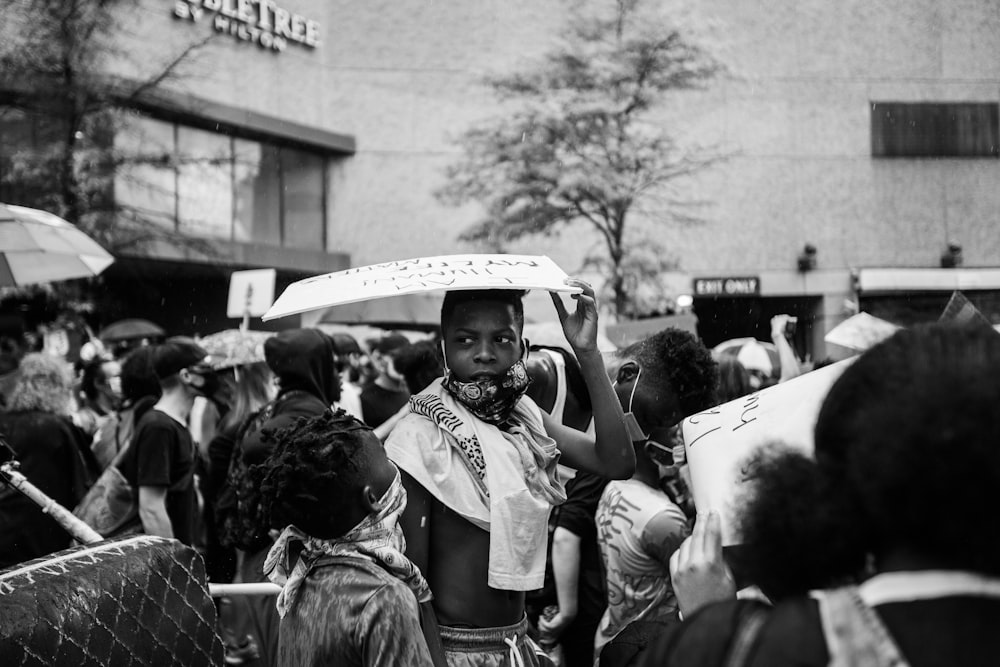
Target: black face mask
[210,382]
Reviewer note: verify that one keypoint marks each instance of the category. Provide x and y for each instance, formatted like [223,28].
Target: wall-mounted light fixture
[952,256]
[807,258]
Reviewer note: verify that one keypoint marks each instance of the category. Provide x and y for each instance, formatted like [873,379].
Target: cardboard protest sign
[422,274]
[250,292]
[719,441]
[860,332]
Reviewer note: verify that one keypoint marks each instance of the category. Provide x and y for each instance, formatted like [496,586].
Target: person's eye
[505,339]
[464,340]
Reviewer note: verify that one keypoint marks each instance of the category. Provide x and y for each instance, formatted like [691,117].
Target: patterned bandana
[491,399]
[377,537]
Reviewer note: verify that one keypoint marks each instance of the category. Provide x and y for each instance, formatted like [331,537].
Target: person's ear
[627,372]
[369,500]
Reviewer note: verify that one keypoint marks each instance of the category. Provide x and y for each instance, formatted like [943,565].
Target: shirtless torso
[453,554]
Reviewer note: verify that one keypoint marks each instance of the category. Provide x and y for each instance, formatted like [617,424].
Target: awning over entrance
[926,280]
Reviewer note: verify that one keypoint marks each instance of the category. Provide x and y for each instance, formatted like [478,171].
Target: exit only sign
[733,286]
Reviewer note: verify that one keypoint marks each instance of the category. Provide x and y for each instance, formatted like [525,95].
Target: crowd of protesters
[466,500]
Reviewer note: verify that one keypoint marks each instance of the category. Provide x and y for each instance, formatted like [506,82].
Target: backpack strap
[745,640]
[855,635]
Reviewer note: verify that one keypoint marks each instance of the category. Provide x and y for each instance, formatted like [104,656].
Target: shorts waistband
[482,639]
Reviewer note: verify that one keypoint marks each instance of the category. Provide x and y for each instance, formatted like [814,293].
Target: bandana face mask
[490,399]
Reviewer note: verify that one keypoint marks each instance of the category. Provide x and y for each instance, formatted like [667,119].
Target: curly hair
[676,362]
[43,383]
[315,465]
[906,451]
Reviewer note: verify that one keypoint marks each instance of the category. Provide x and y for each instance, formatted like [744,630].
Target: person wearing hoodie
[308,384]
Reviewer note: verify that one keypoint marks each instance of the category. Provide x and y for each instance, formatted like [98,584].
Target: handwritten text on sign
[720,440]
[424,274]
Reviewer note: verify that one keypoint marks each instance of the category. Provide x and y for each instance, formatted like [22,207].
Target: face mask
[491,399]
[635,433]
[667,456]
[210,383]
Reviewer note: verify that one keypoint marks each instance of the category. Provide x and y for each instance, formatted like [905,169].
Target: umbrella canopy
[755,355]
[131,329]
[235,347]
[420,311]
[38,247]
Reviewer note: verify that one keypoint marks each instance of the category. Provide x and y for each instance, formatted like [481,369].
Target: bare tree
[579,143]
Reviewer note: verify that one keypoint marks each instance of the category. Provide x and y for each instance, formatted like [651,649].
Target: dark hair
[510,297]
[420,363]
[316,464]
[138,378]
[93,373]
[675,362]
[734,380]
[906,452]
[390,342]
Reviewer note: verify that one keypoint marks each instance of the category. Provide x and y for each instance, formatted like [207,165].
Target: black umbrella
[130,329]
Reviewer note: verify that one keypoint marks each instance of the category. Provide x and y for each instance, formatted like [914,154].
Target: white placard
[250,292]
[718,441]
[422,274]
[860,332]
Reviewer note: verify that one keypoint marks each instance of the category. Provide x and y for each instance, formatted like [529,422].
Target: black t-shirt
[576,515]
[162,454]
[378,403]
[52,454]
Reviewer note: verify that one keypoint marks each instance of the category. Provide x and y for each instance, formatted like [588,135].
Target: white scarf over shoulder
[504,482]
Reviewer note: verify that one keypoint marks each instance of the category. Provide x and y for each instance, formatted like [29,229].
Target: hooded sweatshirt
[302,359]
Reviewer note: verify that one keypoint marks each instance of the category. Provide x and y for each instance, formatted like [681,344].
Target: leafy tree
[57,87]
[579,143]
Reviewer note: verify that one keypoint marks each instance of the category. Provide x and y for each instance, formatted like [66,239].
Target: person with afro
[881,549]
[349,595]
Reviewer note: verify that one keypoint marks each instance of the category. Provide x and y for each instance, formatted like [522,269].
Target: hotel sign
[261,22]
[735,286]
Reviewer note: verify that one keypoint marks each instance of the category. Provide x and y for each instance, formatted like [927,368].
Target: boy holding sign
[478,460]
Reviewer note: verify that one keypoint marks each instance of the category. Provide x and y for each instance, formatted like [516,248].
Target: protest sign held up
[422,274]
[719,441]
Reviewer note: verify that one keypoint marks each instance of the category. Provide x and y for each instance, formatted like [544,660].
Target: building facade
[861,139]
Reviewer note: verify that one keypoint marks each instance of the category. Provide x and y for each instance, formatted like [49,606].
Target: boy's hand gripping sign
[422,274]
[719,441]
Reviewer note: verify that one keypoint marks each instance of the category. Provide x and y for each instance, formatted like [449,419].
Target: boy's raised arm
[610,454]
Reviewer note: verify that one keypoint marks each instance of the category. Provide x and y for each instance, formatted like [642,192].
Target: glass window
[201,183]
[204,183]
[146,183]
[258,193]
[302,200]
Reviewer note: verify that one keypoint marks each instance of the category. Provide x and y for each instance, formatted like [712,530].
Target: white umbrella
[38,247]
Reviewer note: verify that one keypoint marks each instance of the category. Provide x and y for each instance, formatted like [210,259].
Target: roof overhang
[927,280]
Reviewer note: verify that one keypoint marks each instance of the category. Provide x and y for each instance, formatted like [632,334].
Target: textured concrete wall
[793,115]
